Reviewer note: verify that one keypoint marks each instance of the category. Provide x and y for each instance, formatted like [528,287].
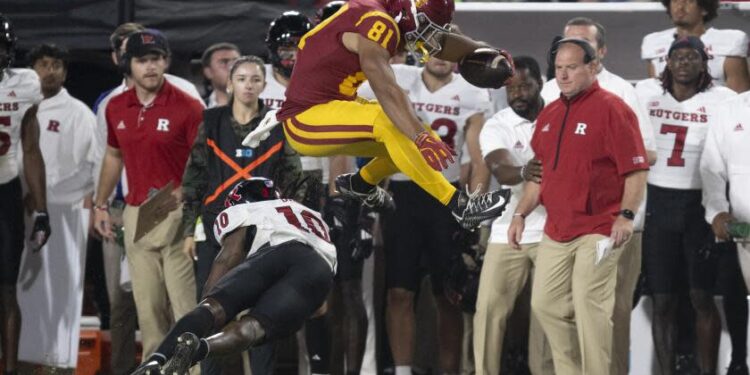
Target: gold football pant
[361,128]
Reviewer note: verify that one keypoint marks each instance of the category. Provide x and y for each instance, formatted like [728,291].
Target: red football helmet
[420,21]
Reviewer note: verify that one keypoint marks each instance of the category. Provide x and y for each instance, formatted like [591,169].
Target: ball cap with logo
[146,42]
[689,42]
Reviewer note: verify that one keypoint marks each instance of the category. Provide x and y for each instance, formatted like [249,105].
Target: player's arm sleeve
[492,137]
[623,139]
[644,121]
[381,29]
[111,136]
[740,46]
[194,182]
[713,169]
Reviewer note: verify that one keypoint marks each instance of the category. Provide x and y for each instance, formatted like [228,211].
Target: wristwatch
[630,215]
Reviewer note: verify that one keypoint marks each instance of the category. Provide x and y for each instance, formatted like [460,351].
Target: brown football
[486,68]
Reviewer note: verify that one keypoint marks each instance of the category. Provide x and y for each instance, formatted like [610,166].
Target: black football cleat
[377,198]
[148,368]
[179,364]
[474,208]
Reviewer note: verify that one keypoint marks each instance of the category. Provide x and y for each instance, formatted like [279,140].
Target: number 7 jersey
[680,130]
[278,221]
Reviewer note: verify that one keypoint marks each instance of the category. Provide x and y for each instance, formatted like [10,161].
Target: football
[486,68]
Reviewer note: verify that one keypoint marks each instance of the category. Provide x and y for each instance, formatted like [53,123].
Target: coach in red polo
[594,172]
[151,129]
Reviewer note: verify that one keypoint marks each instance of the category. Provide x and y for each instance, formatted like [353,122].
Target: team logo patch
[653,104]
[639,160]
[738,128]
[518,145]
[456,98]
[545,128]
[581,128]
[147,39]
[121,125]
[12,94]
[702,109]
[243,153]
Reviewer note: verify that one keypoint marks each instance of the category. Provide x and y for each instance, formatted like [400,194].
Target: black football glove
[362,243]
[41,230]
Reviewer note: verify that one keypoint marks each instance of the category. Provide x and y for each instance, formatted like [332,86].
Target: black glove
[362,243]
[41,230]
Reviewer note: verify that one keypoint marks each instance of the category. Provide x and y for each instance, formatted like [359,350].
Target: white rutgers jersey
[680,130]
[19,90]
[273,96]
[719,45]
[446,111]
[278,221]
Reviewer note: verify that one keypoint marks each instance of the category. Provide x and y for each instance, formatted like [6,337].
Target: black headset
[589,54]
[124,63]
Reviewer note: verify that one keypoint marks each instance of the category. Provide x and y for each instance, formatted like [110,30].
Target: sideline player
[455,110]
[276,259]
[21,93]
[323,117]
[677,242]
[727,49]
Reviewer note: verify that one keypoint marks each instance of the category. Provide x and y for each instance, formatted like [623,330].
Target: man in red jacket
[594,165]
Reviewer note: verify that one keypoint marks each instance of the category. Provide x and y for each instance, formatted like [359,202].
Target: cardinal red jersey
[325,69]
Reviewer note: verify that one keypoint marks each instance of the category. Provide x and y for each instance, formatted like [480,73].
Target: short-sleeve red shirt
[586,145]
[155,140]
[325,70]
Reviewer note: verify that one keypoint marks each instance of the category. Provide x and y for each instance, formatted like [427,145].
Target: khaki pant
[162,276]
[628,270]
[504,275]
[574,299]
[121,304]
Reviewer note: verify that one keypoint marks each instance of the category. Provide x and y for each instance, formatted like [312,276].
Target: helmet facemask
[424,39]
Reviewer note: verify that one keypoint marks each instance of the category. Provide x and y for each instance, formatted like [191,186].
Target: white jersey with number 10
[278,221]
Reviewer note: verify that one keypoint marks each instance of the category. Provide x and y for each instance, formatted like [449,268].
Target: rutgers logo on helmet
[254,189]
[286,31]
[420,21]
[8,41]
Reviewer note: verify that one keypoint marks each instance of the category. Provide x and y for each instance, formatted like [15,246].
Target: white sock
[403,370]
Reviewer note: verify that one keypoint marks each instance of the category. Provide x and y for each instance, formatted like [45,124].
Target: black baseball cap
[145,42]
[689,42]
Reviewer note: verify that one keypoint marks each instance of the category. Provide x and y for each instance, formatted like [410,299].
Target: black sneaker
[182,359]
[148,368]
[378,199]
[737,368]
[474,208]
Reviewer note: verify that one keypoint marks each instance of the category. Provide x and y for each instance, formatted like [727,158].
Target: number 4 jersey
[680,131]
[19,90]
[278,221]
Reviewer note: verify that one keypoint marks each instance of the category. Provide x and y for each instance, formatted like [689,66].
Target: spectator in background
[218,161]
[151,129]
[727,48]
[594,167]
[216,61]
[679,249]
[52,299]
[630,262]
[122,305]
[506,145]
[20,127]
[725,162]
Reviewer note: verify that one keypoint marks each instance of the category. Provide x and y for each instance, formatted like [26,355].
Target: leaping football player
[323,116]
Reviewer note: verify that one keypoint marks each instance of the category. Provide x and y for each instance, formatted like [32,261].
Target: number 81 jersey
[278,221]
[680,132]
